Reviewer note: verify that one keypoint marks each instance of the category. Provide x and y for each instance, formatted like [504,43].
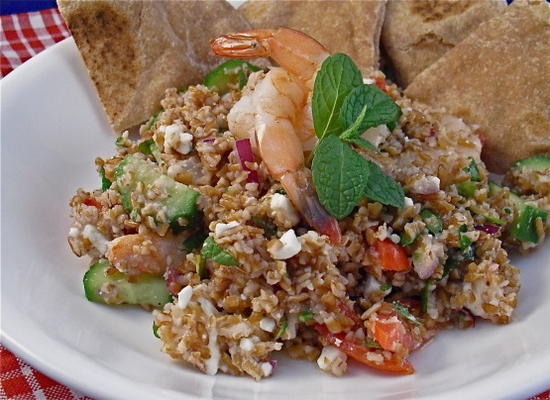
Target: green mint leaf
[282,329]
[401,309]
[339,176]
[334,81]
[105,183]
[381,109]
[382,188]
[305,316]
[351,134]
[211,250]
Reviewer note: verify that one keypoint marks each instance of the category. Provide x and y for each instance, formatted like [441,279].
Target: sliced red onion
[488,228]
[209,140]
[273,363]
[244,150]
[468,320]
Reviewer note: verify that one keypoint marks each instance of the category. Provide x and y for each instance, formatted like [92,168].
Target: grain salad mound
[191,223]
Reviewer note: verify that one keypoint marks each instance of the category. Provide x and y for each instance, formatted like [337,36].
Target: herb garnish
[381,110]
[336,78]
[405,313]
[343,108]
[305,316]
[211,250]
[282,329]
[105,183]
[339,175]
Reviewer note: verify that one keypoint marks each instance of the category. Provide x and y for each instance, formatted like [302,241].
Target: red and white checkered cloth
[23,36]
[19,381]
[27,34]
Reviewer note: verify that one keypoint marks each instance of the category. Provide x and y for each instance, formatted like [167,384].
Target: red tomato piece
[360,353]
[392,256]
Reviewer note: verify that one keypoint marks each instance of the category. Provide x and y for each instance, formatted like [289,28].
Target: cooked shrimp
[146,253]
[276,114]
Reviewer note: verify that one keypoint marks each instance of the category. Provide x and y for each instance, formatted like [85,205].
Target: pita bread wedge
[351,26]
[417,32]
[498,78]
[134,50]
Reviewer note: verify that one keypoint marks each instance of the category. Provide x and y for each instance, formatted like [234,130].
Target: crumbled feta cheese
[394,237]
[213,363]
[332,360]
[283,209]
[96,239]
[408,202]
[246,344]
[73,232]
[287,246]
[368,81]
[376,135]
[184,296]
[177,139]
[267,324]
[267,368]
[221,228]
[426,185]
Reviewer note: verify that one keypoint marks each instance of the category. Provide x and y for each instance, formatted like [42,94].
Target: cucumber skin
[181,202]
[145,289]
[218,79]
[537,162]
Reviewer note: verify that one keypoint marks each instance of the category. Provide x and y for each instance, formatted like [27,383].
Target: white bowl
[52,129]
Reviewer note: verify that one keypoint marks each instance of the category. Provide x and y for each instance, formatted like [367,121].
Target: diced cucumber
[466,189]
[116,288]
[180,201]
[523,227]
[232,72]
[538,162]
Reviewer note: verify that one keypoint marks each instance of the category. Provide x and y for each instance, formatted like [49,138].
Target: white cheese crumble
[74,232]
[408,202]
[283,209]
[213,363]
[267,324]
[426,185]
[368,81]
[394,237]
[286,247]
[96,238]
[267,368]
[332,360]
[246,344]
[184,296]
[376,135]
[177,139]
[221,228]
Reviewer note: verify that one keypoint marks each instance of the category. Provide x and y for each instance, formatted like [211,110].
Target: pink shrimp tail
[302,194]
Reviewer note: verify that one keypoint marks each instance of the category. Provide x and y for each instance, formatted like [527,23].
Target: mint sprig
[343,108]
[339,176]
[336,78]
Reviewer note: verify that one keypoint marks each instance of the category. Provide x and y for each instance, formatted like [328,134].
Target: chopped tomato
[392,257]
[391,334]
[381,83]
[360,353]
[92,202]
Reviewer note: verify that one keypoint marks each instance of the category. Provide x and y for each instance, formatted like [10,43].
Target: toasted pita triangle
[417,32]
[134,50]
[352,26]
[498,78]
